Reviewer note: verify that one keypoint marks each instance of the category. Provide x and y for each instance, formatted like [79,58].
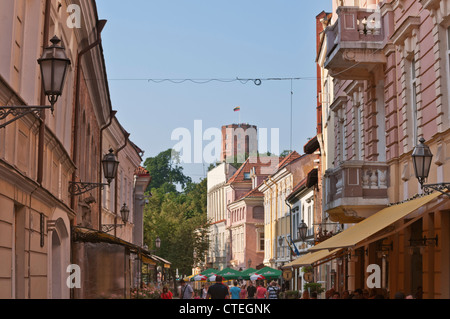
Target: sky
[220,44]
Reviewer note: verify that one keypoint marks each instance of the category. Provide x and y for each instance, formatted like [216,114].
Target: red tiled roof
[259,163]
[140,171]
[254,193]
[288,159]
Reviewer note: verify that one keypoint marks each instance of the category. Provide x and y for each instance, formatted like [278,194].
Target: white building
[217,215]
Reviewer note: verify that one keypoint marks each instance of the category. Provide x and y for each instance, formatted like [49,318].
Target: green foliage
[313,287]
[178,218]
[166,172]
[307,269]
[285,153]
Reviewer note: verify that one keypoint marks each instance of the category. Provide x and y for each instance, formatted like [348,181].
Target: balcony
[355,43]
[355,190]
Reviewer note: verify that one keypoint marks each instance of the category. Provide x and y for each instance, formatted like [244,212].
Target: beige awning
[165,262]
[352,236]
[311,258]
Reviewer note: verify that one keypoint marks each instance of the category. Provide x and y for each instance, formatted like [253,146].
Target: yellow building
[277,221]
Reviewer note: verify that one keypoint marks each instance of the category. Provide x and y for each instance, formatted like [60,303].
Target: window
[414,102]
[295,221]
[343,137]
[359,127]
[448,50]
[448,57]
[246,176]
[261,240]
[310,221]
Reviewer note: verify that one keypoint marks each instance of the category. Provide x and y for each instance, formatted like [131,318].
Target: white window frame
[448,60]
[414,110]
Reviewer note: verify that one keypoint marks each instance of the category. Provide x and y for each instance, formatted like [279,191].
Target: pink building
[385,75]
[245,218]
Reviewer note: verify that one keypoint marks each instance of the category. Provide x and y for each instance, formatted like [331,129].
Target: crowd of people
[220,290]
[373,293]
[258,290]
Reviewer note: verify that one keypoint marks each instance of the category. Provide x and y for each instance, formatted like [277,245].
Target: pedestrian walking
[261,291]
[235,291]
[273,290]
[187,291]
[218,290]
[243,293]
[166,293]
[204,291]
[251,290]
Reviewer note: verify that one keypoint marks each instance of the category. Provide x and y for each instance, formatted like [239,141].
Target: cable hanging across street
[256,81]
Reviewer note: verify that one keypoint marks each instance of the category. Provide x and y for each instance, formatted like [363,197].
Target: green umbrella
[270,273]
[247,273]
[209,272]
[229,274]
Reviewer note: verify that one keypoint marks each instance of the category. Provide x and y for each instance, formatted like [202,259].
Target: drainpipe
[41,136]
[271,214]
[290,225]
[116,183]
[112,115]
[99,27]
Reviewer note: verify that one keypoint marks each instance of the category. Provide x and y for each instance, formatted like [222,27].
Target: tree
[165,171]
[180,221]
[178,218]
[285,153]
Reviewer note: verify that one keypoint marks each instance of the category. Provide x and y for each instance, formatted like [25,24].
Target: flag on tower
[237,109]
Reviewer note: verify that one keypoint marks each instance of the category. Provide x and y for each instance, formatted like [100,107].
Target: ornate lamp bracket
[440,187]
[18,112]
[78,188]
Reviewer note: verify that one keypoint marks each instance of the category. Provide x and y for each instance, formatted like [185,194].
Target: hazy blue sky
[211,39]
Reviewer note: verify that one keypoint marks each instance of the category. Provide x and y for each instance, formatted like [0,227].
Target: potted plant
[313,287]
[307,269]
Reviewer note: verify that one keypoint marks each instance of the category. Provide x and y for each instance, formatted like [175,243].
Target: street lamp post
[110,166]
[422,157]
[53,64]
[302,230]
[125,213]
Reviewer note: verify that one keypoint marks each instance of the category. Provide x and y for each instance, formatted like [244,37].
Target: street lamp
[110,166]
[53,64]
[125,213]
[422,157]
[302,230]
